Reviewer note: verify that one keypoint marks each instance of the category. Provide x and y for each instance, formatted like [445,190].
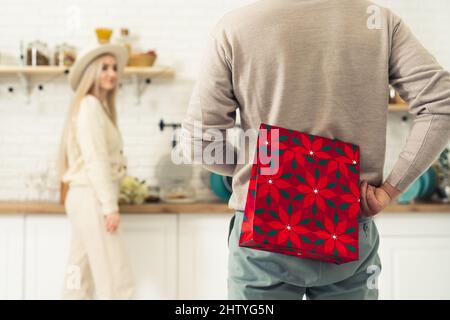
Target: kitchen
[175,218]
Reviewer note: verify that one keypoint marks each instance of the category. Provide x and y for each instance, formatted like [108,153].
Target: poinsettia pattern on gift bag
[303,207]
[336,237]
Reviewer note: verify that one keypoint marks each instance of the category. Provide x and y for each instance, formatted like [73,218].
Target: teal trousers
[262,275]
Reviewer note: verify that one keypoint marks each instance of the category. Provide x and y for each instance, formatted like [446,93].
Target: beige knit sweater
[323,67]
[95,154]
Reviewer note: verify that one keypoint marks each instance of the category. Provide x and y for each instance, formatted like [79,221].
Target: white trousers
[98,264]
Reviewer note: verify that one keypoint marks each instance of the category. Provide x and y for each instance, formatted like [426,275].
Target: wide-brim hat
[90,53]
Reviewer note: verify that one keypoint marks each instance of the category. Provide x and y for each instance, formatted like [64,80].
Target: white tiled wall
[29,133]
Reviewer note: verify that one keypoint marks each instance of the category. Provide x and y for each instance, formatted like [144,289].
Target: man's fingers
[372,201]
[365,207]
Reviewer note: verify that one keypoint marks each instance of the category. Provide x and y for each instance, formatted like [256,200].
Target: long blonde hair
[89,84]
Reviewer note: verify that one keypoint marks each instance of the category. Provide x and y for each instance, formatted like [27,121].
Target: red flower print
[313,148]
[353,200]
[347,157]
[271,185]
[247,228]
[315,191]
[288,227]
[294,153]
[336,237]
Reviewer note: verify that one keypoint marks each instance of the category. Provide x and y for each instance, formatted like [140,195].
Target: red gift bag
[303,197]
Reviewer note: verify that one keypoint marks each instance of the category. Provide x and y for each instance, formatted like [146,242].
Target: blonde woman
[92,165]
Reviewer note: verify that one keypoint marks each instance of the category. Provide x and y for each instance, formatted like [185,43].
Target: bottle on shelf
[124,39]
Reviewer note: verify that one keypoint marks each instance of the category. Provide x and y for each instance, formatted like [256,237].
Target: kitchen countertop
[11,207]
[158,207]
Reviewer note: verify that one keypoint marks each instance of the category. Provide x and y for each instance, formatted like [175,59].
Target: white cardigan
[95,154]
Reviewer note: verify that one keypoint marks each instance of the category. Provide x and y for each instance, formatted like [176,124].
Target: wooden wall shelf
[399,107]
[140,76]
[156,71]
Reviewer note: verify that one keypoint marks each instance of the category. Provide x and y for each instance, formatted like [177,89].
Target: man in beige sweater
[323,67]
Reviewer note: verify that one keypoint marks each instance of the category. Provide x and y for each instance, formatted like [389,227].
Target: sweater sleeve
[211,111]
[425,85]
[91,137]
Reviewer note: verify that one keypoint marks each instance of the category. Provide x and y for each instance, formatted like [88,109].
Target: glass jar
[65,55]
[153,194]
[124,39]
[37,54]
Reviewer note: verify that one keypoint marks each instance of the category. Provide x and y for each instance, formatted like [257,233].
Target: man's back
[322,67]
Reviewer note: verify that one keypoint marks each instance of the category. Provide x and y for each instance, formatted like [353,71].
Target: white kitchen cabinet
[203,256]
[151,242]
[414,250]
[415,255]
[11,256]
[46,252]
[185,256]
